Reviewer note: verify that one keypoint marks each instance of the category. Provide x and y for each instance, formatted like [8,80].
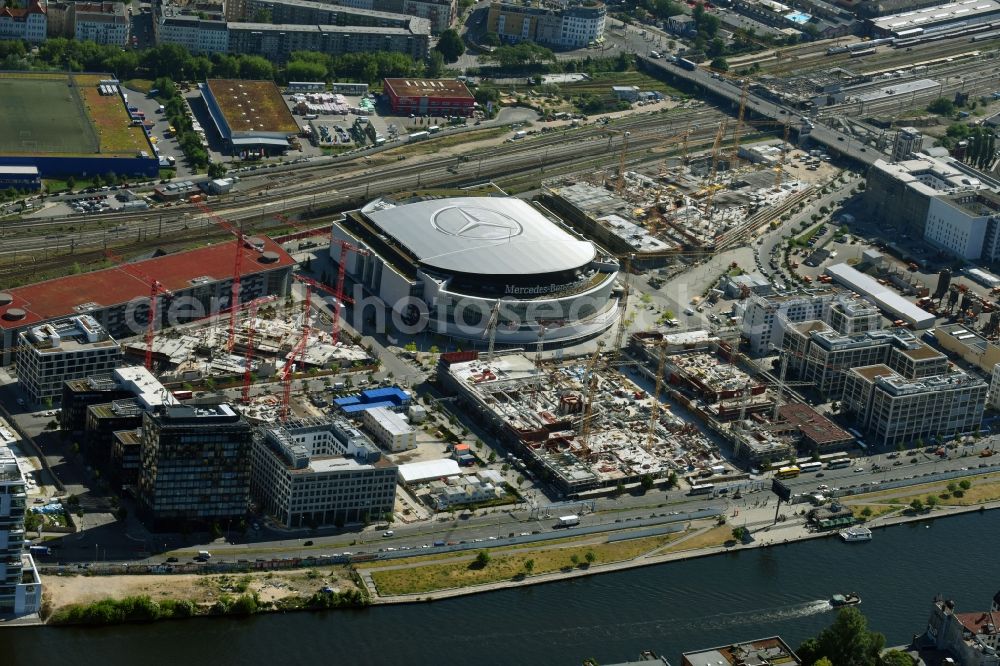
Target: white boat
[856,533]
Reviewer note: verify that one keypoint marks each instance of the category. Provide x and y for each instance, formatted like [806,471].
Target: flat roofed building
[895,410]
[101,22]
[819,434]
[195,465]
[20,585]
[969,345]
[569,26]
[320,472]
[196,34]
[771,651]
[20,178]
[890,302]
[277,42]
[966,224]
[763,319]
[435,97]
[249,114]
[200,280]
[126,447]
[964,12]
[52,353]
[390,430]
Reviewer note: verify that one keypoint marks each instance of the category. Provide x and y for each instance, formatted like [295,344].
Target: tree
[482,559]
[847,642]
[450,45]
[529,566]
[70,183]
[491,39]
[217,170]
[720,64]
[672,480]
[943,106]
[646,482]
[590,556]
[965,484]
[740,533]
[575,559]
[896,658]
[435,64]
[917,505]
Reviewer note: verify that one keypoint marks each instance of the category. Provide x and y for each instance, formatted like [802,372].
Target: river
[668,608]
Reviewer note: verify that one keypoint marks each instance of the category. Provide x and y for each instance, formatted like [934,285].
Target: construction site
[583,425]
[688,204]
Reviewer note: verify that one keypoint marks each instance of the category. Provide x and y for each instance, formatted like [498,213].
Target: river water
[668,608]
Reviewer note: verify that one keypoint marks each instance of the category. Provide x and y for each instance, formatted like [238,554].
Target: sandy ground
[202,589]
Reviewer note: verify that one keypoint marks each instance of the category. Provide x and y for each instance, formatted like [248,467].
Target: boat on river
[839,600]
[855,534]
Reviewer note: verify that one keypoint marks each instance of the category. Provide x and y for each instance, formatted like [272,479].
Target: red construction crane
[156,289]
[251,331]
[299,350]
[337,291]
[237,267]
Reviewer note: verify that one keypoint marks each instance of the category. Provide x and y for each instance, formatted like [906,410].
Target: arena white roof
[485,235]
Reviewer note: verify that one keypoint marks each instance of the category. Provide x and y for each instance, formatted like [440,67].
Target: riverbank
[320,588]
[764,534]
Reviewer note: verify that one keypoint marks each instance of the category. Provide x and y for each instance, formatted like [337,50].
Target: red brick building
[432,97]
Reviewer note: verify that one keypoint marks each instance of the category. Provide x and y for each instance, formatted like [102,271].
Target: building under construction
[580,425]
[702,206]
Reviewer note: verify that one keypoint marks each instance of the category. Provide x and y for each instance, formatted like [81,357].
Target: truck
[569,521]
[689,65]
[40,550]
[520,134]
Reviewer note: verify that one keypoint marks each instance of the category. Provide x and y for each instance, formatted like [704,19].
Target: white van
[204,554]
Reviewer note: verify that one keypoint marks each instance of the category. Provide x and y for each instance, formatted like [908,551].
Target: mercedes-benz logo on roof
[475,223]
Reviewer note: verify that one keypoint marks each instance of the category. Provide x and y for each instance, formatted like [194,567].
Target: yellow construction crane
[590,389]
[713,171]
[654,410]
[781,165]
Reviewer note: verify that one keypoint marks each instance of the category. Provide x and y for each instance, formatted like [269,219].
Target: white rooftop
[390,420]
[427,470]
[147,389]
[484,235]
[884,297]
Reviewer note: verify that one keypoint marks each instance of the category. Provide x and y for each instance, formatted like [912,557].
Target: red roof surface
[979,623]
[57,298]
[813,425]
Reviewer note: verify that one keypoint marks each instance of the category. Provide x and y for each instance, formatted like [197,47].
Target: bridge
[836,142]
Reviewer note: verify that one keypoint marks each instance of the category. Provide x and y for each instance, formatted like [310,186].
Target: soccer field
[43,116]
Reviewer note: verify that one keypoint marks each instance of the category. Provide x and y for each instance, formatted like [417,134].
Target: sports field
[43,115]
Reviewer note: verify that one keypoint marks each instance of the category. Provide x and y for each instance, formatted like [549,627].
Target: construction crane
[237,267]
[622,310]
[491,330]
[297,355]
[156,289]
[248,353]
[738,130]
[654,410]
[779,170]
[345,247]
[620,184]
[590,389]
[540,344]
[714,170]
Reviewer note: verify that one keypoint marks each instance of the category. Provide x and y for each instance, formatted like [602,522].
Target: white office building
[320,472]
[764,318]
[20,586]
[965,224]
[62,350]
[390,429]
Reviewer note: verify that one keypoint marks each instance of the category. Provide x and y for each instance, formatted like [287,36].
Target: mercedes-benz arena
[449,264]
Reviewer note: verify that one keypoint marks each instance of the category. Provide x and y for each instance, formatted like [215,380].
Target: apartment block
[277,41]
[390,429]
[895,410]
[194,465]
[20,586]
[570,26]
[440,14]
[62,350]
[101,22]
[29,23]
[320,472]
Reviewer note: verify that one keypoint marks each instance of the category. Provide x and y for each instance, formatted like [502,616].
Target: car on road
[308,543]
[172,559]
[388,533]
[859,469]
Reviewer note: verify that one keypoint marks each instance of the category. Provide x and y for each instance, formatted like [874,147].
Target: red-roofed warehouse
[198,279]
